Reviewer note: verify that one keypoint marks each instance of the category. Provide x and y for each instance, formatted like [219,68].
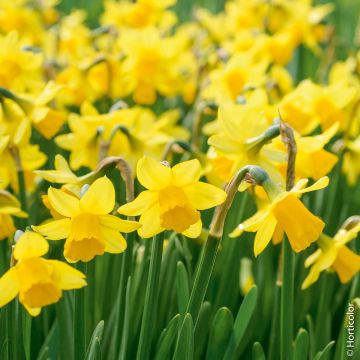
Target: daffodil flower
[9,206]
[334,254]
[38,281]
[86,225]
[351,164]
[173,198]
[285,213]
[312,160]
[240,141]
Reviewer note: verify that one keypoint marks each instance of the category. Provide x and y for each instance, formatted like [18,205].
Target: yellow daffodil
[9,206]
[31,159]
[296,108]
[38,281]
[229,82]
[173,198]
[312,160]
[285,213]
[45,119]
[334,254]
[153,64]
[237,143]
[310,105]
[125,132]
[19,68]
[351,163]
[86,225]
[139,14]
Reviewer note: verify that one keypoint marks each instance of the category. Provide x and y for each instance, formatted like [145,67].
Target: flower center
[176,212]
[84,241]
[37,288]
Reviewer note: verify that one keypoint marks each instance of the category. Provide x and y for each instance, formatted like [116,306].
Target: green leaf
[65,323]
[126,327]
[185,348]
[241,322]
[321,355]
[49,349]
[311,331]
[182,287]
[220,333]
[301,345]
[167,339]
[94,349]
[258,352]
[202,329]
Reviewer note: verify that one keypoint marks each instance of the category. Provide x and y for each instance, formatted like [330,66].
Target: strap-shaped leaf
[321,355]
[242,320]
[185,348]
[94,349]
[220,333]
[167,339]
[182,283]
[301,345]
[258,352]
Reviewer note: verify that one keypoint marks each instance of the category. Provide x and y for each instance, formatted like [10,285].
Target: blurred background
[345,19]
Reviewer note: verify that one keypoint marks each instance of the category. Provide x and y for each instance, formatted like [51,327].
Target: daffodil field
[179,180]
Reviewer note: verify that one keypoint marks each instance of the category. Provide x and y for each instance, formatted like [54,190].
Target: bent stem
[287,291]
[79,319]
[152,289]
[208,256]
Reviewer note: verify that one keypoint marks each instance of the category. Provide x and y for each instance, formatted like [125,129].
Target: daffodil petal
[264,234]
[32,311]
[320,184]
[30,244]
[313,258]
[65,204]
[186,173]
[204,196]
[194,230]
[67,277]
[152,174]
[9,286]
[145,200]
[118,224]
[150,221]
[347,264]
[251,224]
[54,230]
[114,241]
[99,198]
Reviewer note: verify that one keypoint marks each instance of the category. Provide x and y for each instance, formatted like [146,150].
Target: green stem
[203,275]
[232,256]
[287,301]
[79,319]
[152,289]
[21,181]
